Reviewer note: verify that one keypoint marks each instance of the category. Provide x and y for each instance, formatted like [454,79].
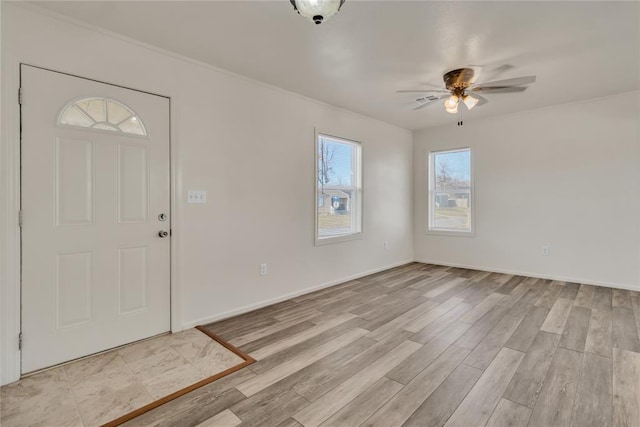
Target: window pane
[95,109]
[451,190]
[105,126]
[334,162]
[103,114]
[452,211]
[452,170]
[334,213]
[117,112]
[74,117]
[337,188]
[133,126]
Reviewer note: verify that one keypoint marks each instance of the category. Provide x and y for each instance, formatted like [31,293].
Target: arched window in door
[103,114]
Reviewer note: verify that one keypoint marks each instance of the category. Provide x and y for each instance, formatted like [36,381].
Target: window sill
[451,233]
[338,239]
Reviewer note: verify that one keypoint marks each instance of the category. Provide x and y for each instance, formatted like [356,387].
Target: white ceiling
[359,58]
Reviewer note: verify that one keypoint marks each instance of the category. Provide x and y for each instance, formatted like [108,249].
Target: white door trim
[9,230]
[10,248]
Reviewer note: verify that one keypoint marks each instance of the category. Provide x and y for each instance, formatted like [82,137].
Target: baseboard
[265,303]
[529,274]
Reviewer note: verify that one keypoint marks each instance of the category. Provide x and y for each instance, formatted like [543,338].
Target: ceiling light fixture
[470,101]
[452,110]
[317,11]
[451,103]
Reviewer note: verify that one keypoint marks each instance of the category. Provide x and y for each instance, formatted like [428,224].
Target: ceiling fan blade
[481,99]
[496,72]
[426,104]
[498,89]
[422,91]
[517,81]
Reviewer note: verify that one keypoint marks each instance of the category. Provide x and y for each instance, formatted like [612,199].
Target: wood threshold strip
[248,360]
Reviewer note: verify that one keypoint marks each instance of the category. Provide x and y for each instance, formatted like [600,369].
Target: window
[450,191]
[338,189]
[103,114]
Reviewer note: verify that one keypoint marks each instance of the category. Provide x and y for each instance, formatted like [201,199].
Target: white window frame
[431,172]
[356,203]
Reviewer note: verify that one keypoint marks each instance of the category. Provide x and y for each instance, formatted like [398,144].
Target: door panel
[95,177]
[133,279]
[74,286]
[74,181]
[133,196]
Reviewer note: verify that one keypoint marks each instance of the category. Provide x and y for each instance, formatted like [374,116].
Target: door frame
[11,249]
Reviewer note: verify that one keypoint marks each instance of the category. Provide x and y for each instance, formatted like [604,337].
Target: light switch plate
[197,196]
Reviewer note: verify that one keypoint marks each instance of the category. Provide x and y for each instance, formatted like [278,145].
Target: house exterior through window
[450,192]
[338,189]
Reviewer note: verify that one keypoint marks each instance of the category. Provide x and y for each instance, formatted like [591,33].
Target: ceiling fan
[460,86]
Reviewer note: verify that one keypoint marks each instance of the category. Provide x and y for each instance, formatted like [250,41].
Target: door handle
[163,233]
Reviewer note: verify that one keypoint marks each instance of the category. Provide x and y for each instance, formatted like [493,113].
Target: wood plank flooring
[427,345]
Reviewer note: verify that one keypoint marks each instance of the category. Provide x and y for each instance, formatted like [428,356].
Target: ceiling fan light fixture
[451,103]
[470,101]
[459,85]
[317,11]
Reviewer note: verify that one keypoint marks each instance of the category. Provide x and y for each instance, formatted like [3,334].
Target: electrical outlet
[386,245]
[197,196]
[546,251]
[263,269]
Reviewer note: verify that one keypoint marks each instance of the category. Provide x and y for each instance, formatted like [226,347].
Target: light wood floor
[425,345]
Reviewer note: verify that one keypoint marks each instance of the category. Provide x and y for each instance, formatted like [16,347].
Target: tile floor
[98,389]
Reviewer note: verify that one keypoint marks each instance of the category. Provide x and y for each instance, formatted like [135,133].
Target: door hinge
[20,218]
[20,341]
[20,96]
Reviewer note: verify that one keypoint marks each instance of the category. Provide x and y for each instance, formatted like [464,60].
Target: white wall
[566,176]
[247,144]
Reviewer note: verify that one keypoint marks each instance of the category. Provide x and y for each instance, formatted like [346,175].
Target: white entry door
[95,203]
